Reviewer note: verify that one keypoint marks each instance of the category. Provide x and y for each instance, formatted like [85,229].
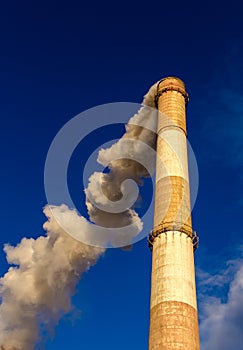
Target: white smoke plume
[37,289]
[105,189]
[125,159]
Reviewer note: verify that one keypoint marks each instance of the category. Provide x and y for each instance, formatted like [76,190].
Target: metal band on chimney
[170,88]
[173,227]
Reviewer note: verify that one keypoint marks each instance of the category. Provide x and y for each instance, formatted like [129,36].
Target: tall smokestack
[173,306]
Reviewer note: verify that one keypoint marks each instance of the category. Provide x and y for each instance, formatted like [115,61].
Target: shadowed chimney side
[173,306]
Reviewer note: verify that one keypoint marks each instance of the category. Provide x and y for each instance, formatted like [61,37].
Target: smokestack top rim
[171,81]
[171,84]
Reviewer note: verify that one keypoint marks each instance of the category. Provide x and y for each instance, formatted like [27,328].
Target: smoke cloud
[108,196]
[37,289]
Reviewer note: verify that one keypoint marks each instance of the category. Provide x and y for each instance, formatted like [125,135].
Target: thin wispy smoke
[37,289]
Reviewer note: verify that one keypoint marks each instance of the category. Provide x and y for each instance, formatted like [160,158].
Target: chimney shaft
[173,306]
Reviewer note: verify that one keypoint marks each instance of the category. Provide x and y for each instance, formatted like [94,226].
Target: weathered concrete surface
[175,326]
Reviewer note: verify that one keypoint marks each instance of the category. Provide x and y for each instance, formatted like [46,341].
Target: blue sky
[61,58]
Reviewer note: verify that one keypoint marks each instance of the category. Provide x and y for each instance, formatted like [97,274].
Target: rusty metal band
[171,88]
[172,226]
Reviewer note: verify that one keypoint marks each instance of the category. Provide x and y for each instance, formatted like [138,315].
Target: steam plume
[37,289]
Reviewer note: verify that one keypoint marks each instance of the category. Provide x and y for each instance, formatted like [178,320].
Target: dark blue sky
[60,58]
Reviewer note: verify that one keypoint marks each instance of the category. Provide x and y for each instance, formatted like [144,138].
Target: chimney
[173,306]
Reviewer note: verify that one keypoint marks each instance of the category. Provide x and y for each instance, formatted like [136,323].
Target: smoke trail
[124,159]
[37,289]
